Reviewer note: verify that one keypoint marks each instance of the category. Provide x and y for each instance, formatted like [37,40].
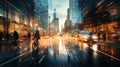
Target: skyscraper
[68,21]
[41,10]
[55,22]
[75,12]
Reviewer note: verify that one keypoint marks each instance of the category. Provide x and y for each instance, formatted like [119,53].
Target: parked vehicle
[85,36]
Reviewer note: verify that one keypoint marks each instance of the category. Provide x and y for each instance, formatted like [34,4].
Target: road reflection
[62,49]
[64,52]
[83,46]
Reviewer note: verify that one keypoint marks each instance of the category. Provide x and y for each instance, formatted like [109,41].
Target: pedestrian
[1,35]
[99,36]
[15,37]
[8,36]
[36,36]
[104,37]
[35,44]
[29,36]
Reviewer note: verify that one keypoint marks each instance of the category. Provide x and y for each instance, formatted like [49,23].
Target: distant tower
[41,10]
[54,15]
[68,21]
[75,12]
[68,13]
[55,22]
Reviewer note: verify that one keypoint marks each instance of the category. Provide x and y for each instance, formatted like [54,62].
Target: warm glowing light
[36,25]
[94,47]
[62,49]
[51,51]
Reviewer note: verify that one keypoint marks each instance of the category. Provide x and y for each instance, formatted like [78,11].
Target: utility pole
[6,21]
[49,25]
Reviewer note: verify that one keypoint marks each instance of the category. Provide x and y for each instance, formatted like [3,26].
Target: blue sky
[61,7]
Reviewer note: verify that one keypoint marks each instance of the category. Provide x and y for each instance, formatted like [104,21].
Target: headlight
[94,37]
[86,37]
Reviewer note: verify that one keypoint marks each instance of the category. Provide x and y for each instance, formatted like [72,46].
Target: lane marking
[108,55]
[41,59]
[13,58]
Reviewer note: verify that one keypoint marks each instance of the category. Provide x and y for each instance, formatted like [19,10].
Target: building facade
[41,9]
[106,14]
[16,16]
[75,12]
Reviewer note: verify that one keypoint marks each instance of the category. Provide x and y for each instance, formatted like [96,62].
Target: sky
[61,7]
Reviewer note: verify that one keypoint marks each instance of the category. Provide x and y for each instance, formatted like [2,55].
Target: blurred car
[85,35]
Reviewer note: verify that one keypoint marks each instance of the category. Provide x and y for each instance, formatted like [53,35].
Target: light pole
[49,25]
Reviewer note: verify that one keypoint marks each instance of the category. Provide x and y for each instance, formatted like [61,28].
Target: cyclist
[37,35]
[15,37]
[35,47]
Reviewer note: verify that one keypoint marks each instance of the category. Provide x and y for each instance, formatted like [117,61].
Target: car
[85,36]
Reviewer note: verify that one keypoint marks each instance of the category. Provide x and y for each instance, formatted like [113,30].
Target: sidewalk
[5,42]
[111,43]
[111,48]
[8,54]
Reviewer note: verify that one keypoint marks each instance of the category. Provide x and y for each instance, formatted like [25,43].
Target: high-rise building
[86,6]
[75,12]
[41,9]
[68,21]
[55,22]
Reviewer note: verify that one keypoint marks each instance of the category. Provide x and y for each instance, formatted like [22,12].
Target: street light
[36,25]
[52,28]
[49,25]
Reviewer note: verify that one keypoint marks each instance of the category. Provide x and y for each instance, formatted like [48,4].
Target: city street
[59,33]
[58,52]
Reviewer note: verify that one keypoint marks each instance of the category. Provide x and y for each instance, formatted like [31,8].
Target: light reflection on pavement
[63,52]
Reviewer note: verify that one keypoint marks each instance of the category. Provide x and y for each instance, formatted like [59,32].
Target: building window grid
[1,12]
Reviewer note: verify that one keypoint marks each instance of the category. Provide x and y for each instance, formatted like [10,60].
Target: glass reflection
[62,49]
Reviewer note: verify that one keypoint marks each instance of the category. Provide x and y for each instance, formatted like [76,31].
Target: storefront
[25,30]
[20,28]
[1,26]
[1,29]
[110,28]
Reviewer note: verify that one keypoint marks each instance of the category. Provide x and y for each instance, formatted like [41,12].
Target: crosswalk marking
[41,59]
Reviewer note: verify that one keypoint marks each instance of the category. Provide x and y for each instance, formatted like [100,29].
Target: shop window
[25,21]
[1,27]
[1,12]
[9,15]
[17,17]
[13,15]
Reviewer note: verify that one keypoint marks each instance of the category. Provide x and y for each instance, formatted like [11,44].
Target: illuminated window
[25,21]
[12,15]
[17,17]
[1,12]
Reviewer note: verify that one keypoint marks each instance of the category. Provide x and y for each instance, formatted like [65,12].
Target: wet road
[60,52]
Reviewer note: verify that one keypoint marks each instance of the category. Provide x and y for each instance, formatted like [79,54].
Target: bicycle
[15,45]
[35,51]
